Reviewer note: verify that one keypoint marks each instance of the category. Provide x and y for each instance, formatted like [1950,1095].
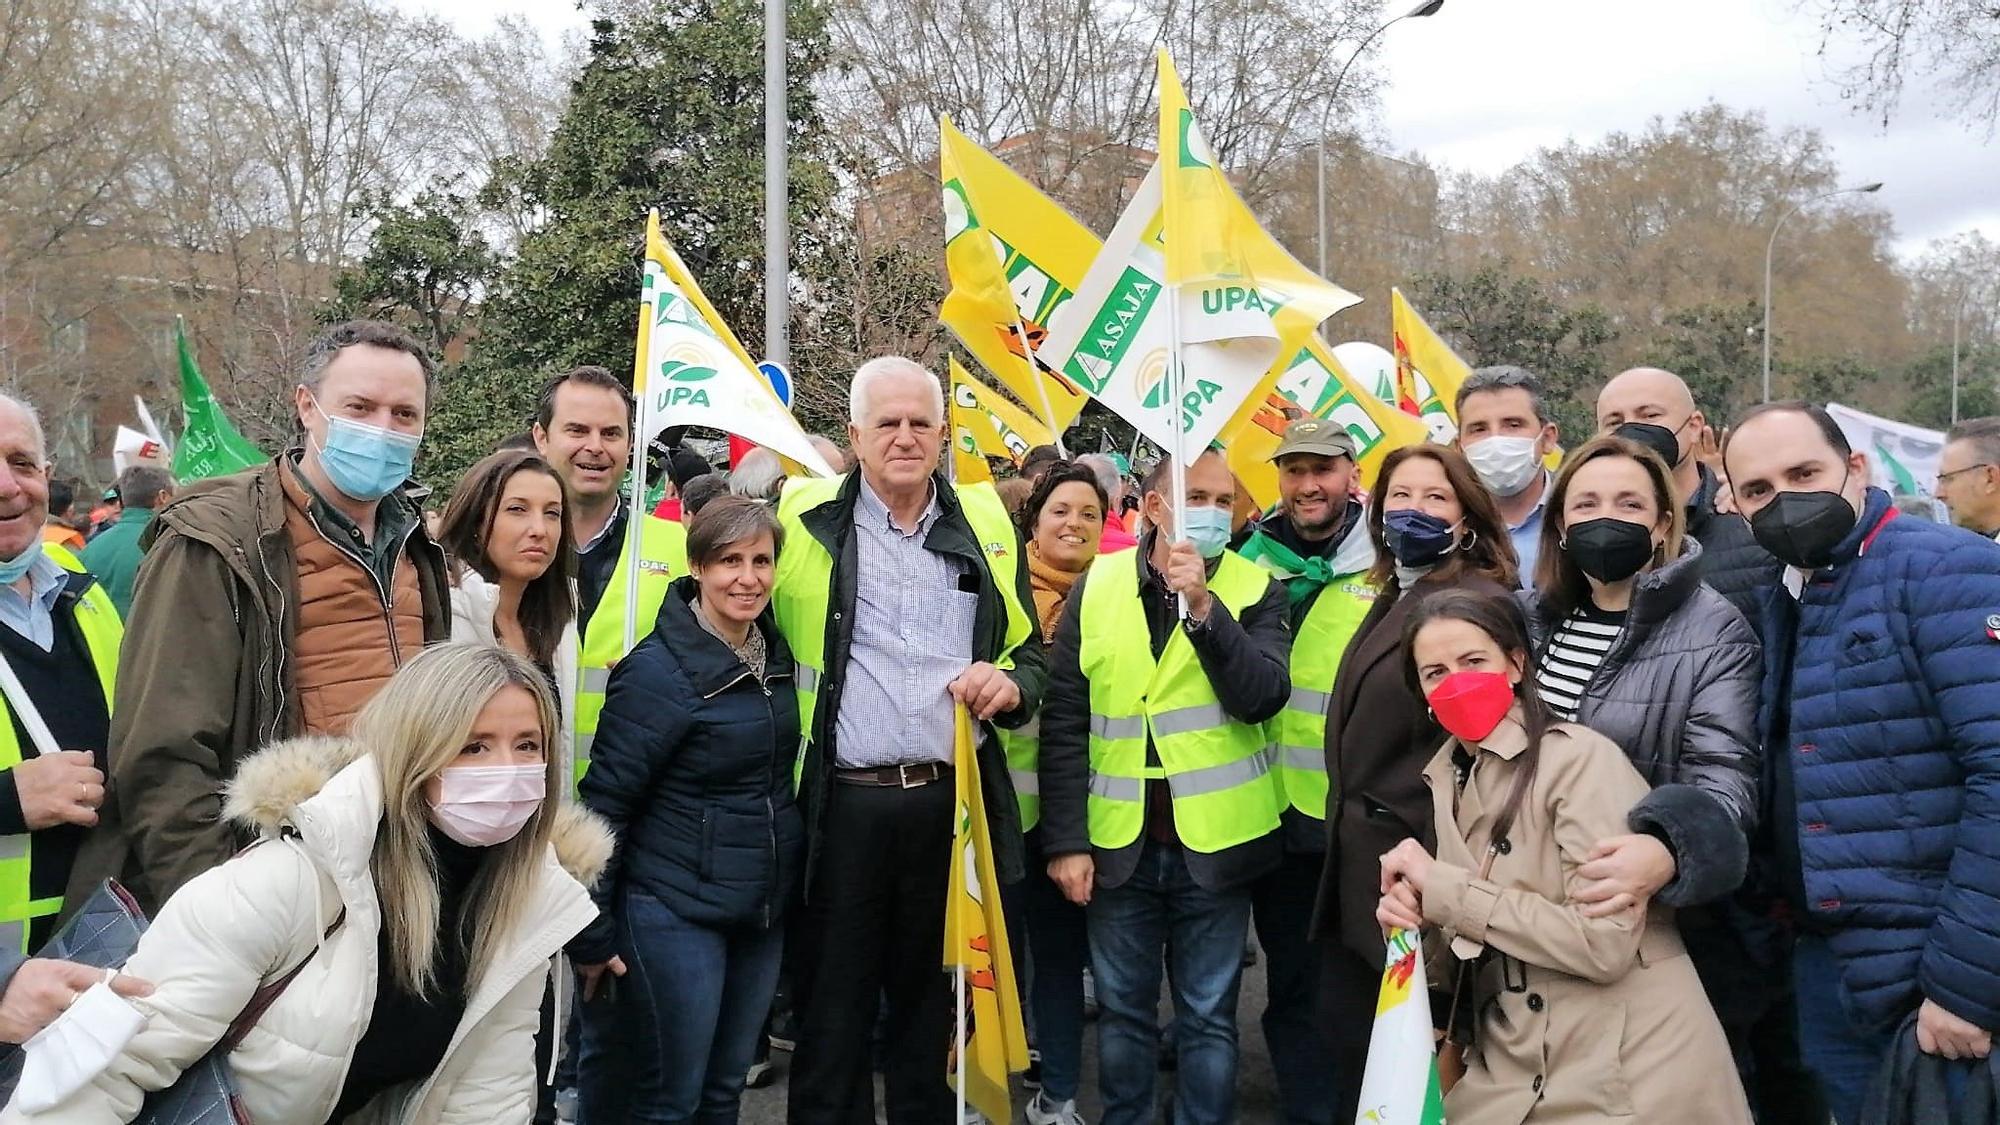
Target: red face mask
[1471,704]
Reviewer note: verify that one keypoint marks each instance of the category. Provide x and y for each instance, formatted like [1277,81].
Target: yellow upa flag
[1241,294]
[990,1037]
[998,427]
[1428,372]
[997,293]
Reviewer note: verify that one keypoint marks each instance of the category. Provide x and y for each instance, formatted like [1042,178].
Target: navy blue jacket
[692,767]
[1893,737]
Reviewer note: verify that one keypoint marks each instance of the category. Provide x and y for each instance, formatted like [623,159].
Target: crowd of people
[1682,754]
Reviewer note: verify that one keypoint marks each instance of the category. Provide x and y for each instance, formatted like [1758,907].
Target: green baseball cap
[1317,436]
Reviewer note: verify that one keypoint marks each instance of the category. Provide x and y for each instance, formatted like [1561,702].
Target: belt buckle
[903,777]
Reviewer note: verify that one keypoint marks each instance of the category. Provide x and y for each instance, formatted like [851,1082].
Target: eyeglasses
[1967,469]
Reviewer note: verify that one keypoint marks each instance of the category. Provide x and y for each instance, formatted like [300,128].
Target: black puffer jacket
[692,767]
[1733,562]
[1678,691]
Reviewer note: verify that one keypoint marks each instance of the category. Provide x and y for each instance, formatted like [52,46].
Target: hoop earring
[1472,542]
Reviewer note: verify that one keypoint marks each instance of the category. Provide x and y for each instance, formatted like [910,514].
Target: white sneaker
[1043,1112]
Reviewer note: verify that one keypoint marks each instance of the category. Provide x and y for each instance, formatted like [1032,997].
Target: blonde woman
[419,883]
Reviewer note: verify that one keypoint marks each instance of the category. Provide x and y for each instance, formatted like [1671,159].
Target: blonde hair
[415,727]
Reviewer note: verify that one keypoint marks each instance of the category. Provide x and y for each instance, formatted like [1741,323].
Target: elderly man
[61,639]
[287,595]
[1882,734]
[1655,409]
[1969,476]
[902,598]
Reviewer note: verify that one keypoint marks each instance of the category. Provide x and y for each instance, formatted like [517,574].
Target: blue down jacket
[692,767]
[1893,736]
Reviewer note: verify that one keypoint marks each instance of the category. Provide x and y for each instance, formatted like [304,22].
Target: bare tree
[1955,42]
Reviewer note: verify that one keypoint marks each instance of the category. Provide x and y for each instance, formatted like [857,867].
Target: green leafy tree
[1500,317]
[1714,349]
[1928,382]
[427,264]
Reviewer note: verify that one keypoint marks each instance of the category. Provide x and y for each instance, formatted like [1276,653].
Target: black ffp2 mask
[1609,549]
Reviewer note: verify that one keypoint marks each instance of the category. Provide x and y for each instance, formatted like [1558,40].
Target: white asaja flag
[1112,336]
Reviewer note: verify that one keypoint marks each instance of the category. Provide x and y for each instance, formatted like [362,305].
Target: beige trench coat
[1580,1019]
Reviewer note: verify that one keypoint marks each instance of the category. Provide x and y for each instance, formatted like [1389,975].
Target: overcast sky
[1484,83]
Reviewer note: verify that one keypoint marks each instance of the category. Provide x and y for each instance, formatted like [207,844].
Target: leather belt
[908,776]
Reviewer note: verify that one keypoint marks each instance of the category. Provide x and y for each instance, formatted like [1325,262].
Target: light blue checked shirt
[34,616]
[912,637]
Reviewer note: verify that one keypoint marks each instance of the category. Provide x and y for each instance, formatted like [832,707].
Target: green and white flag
[1902,459]
[210,445]
[1400,1084]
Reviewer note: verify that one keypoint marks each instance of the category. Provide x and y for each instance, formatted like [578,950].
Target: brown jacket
[1379,734]
[1579,1019]
[205,676]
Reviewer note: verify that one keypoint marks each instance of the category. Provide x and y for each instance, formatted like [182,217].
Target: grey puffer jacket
[1678,691]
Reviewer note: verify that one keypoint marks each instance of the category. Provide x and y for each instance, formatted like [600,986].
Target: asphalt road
[1256,1091]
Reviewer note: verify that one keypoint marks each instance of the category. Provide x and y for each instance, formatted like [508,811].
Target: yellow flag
[1238,286]
[1428,372]
[998,427]
[985,309]
[1317,384]
[990,1038]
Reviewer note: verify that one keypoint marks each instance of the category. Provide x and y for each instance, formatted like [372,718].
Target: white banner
[1902,459]
[1112,336]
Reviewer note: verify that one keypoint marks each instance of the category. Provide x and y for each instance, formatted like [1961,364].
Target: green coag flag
[210,445]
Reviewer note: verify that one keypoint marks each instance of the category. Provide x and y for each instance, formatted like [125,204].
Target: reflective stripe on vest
[1024,760]
[802,589]
[97,620]
[1298,733]
[662,558]
[1218,770]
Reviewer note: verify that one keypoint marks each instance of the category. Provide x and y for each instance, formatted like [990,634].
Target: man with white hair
[760,475]
[830,452]
[1116,537]
[902,597]
[61,640]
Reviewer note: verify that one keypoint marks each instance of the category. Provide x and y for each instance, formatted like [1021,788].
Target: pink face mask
[480,806]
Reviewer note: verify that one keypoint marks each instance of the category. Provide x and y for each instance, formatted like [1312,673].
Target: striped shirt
[1573,656]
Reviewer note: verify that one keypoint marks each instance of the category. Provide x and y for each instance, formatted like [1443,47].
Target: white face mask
[1507,465]
[63,1057]
[480,806]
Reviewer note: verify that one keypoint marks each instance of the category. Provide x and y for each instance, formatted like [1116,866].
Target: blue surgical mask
[1416,538]
[1208,529]
[12,569]
[365,462]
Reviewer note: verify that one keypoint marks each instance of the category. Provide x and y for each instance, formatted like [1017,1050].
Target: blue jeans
[690,1009]
[1058,947]
[1161,909]
[1847,1056]
[1282,904]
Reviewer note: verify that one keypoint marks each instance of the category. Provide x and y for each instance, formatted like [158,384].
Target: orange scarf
[1051,587]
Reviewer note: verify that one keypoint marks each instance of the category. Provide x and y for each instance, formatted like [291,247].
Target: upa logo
[1150,381]
[685,371]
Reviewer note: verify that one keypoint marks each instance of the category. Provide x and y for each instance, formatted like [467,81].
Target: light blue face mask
[12,569]
[1208,529]
[365,462]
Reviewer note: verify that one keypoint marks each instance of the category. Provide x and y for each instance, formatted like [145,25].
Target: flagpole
[958,1021]
[1178,463]
[1041,386]
[634,520]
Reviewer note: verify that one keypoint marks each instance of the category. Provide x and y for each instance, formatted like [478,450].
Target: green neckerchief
[1303,577]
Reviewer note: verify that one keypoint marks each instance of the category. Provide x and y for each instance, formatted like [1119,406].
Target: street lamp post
[1957,314]
[1427,8]
[1773,245]
[777,189]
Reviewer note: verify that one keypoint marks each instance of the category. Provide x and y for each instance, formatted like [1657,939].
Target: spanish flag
[1428,372]
[990,1038]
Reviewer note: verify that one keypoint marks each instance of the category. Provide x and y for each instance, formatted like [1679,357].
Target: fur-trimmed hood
[272,788]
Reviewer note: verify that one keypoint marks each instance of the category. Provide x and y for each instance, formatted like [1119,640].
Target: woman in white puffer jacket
[419,877]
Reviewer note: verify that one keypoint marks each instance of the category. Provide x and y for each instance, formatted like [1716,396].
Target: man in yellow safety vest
[60,641]
[902,597]
[1160,807]
[1316,546]
[583,427]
